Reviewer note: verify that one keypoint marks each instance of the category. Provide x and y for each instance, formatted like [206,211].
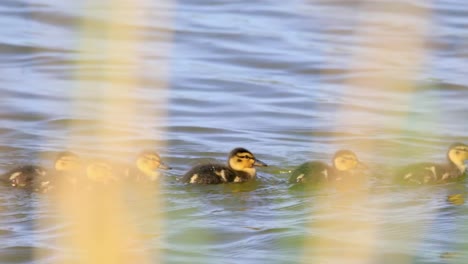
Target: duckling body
[100,172]
[428,173]
[37,178]
[146,168]
[31,177]
[68,169]
[240,168]
[434,173]
[313,172]
[345,164]
[99,176]
[210,174]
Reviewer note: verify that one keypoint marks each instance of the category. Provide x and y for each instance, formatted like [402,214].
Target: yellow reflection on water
[111,71]
[391,39]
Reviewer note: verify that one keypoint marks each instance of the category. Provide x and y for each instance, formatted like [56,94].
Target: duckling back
[209,174]
[313,172]
[99,173]
[136,175]
[428,173]
[29,177]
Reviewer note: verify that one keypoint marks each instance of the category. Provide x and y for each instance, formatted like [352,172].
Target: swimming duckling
[344,164]
[100,172]
[39,178]
[67,167]
[146,166]
[433,173]
[30,177]
[240,168]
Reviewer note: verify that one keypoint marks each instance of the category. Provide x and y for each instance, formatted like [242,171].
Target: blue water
[289,80]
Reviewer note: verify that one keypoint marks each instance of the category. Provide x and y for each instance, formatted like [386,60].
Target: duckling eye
[457,152]
[239,160]
[245,157]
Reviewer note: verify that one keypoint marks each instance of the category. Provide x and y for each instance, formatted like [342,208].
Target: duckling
[240,168]
[344,164]
[146,166]
[30,177]
[100,172]
[456,199]
[39,178]
[433,173]
[68,167]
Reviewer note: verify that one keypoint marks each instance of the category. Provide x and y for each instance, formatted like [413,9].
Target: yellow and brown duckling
[38,178]
[146,167]
[100,172]
[240,168]
[345,164]
[30,177]
[434,173]
[68,167]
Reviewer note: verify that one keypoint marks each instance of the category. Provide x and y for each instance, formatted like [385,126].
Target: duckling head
[100,171]
[240,159]
[458,154]
[346,160]
[148,162]
[67,161]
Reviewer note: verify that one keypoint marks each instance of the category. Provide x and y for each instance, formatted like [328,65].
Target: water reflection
[294,80]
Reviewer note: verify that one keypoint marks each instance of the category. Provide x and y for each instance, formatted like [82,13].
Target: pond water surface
[289,80]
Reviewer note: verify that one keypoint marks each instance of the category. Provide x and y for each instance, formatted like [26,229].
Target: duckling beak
[260,163]
[163,166]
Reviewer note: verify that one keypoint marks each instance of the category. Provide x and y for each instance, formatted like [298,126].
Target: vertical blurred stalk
[390,53]
[101,226]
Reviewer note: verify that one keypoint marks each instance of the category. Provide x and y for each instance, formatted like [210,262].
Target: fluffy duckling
[67,162]
[27,177]
[433,173]
[100,172]
[38,178]
[344,164]
[240,168]
[68,167]
[146,166]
